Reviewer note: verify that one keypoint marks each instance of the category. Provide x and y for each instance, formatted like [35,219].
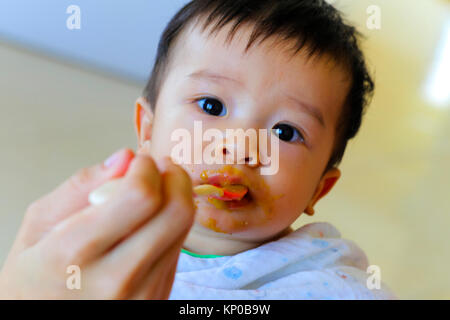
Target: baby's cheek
[291,201]
[294,202]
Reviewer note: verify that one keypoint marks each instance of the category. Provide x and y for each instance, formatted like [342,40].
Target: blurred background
[67,97]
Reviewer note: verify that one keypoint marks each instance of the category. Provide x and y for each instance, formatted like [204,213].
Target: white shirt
[312,262]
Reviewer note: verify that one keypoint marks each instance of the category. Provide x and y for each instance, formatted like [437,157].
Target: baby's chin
[245,222]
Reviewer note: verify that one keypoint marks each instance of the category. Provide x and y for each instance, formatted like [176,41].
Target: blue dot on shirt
[232,272]
[320,243]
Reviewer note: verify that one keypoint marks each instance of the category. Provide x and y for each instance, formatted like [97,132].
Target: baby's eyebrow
[204,74]
[311,110]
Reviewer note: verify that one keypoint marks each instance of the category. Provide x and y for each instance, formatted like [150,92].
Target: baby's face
[263,89]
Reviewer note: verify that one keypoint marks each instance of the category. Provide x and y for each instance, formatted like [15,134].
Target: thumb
[77,188]
[72,195]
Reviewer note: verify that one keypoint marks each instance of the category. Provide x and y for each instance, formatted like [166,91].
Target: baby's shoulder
[318,230]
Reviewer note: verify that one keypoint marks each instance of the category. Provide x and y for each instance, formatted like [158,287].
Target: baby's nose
[248,157]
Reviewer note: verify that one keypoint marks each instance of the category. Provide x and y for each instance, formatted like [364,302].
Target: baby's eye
[212,106]
[287,133]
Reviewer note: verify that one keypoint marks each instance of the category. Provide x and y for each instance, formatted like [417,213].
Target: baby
[290,70]
[290,66]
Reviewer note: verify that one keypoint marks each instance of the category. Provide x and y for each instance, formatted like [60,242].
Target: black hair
[315,25]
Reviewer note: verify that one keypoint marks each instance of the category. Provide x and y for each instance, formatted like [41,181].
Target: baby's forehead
[200,48]
[265,67]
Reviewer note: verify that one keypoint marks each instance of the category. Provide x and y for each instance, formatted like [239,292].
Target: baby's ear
[143,121]
[327,182]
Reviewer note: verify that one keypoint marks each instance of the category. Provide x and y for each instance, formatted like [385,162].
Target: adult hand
[125,248]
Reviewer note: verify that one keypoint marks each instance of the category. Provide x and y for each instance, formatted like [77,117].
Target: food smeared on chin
[212,224]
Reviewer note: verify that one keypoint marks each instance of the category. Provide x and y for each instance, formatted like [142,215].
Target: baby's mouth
[225,192]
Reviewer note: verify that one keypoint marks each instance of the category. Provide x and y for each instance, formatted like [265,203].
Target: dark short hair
[315,25]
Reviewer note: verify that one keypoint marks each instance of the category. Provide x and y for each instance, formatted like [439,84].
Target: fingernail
[112,160]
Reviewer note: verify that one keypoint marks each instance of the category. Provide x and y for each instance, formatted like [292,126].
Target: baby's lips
[221,179]
[225,193]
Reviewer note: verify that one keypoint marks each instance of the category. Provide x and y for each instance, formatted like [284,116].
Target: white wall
[119,37]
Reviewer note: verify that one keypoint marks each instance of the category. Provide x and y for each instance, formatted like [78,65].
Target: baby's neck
[201,242]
